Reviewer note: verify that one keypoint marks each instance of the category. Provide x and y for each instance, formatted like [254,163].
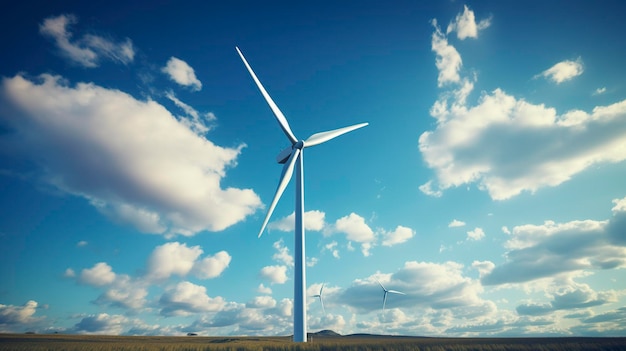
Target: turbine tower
[291,157]
[321,299]
[387,292]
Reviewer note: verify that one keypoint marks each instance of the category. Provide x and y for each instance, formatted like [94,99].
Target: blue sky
[137,160]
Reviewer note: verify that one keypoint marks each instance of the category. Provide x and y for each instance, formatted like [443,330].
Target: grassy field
[57,342]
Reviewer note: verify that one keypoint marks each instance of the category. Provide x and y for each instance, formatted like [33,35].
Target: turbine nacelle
[283,156]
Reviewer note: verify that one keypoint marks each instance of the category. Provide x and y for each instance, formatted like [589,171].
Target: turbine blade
[284,125]
[381,285]
[284,180]
[323,309]
[322,137]
[384,301]
[396,292]
[322,289]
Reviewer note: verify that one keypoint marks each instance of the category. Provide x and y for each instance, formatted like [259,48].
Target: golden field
[59,342]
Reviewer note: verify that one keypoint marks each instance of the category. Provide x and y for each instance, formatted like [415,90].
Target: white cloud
[169,178]
[69,273]
[187,298]
[264,289]
[194,120]
[448,60]
[456,223]
[313,221]
[81,243]
[398,236]
[476,234]
[101,324]
[427,285]
[427,188]
[282,255]
[16,315]
[87,50]
[465,24]
[599,91]
[620,205]
[481,144]
[332,247]
[483,267]
[101,274]
[568,296]
[124,292]
[275,274]
[172,258]
[563,71]
[180,72]
[552,249]
[261,302]
[212,266]
[179,259]
[357,230]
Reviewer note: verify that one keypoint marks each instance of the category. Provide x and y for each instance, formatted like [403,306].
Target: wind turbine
[320,297]
[386,291]
[290,157]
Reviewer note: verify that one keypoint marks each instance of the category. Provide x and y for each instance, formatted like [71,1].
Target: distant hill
[325,334]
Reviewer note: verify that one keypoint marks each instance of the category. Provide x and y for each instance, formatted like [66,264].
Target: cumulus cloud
[180,72]
[212,266]
[261,302]
[101,324]
[456,223]
[476,234]
[99,275]
[313,221]
[254,318]
[433,285]
[17,315]
[186,298]
[87,50]
[332,247]
[85,138]
[264,289]
[355,229]
[274,274]
[282,253]
[568,297]
[175,258]
[125,293]
[172,258]
[563,71]
[550,249]
[400,235]
[448,60]
[465,24]
[480,144]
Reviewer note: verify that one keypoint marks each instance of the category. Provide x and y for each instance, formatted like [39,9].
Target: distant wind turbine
[386,291]
[291,156]
[321,299]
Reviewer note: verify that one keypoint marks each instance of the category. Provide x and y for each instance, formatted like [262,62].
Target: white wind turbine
[386,291]
[292,156]
[321,299]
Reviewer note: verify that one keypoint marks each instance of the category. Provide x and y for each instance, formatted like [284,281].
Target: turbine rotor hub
[299,145]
